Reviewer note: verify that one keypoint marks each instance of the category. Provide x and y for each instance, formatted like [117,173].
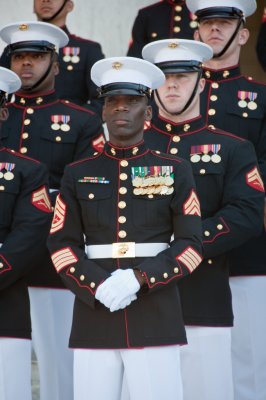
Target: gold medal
[216,158]
[157,190]
[66,58]
[252,105]
[170,190]
[137,191]
[195,158]
[55,126]
[206,158]
[75,59]
[242,103]
[137,181]
[8,176]
[169,181]
[164,190]
[65,127]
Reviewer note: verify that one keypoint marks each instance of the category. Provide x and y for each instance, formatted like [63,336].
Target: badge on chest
[205,153]
[152,180]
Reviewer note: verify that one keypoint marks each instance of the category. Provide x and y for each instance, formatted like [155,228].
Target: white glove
[116,290]
[124,303]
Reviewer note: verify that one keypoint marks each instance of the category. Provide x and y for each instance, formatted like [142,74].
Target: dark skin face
[125,116]
[31,66]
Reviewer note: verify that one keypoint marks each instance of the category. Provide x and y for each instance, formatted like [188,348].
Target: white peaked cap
[25,31]
[9,81]
[126,70]
[248,7]
[176,50]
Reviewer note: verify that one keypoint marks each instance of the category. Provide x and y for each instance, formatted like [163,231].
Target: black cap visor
[219,12]
[124,88]
[38,46]
[172,67]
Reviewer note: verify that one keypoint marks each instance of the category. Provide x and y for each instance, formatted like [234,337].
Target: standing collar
[119,153]
[36,99]
[171,128]
[221,74]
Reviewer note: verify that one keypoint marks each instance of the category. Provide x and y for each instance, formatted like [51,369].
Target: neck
[223,62]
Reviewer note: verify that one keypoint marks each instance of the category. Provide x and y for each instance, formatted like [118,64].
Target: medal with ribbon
[75,55]
[252,97]
[242,95]
[152,180]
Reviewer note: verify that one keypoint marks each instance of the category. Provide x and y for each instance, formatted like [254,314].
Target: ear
[196,35]
[69,6]
[148,113]
[4,114]
[202,82]
[56,67]
[243,36]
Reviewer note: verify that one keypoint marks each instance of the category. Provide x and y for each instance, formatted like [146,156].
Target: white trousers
[51,317]
[248,337]
[151,373]
[15,369]
[206,364]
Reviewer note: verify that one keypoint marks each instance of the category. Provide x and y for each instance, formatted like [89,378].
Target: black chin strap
[228,44]
[187,103]
[28,89]
[56,14]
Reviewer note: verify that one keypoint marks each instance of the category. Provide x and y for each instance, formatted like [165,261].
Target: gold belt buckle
[123,250]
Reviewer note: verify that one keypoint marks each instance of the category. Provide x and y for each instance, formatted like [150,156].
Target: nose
[27,60]
[121,106]
[172,83]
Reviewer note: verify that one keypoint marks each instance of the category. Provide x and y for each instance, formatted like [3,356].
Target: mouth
[26,75]
[121,122]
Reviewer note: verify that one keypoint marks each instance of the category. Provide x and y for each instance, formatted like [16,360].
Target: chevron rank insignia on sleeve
[254,180]
[63,258]
[59,215]
[192,205]
[190,258]
[98,143]
[41,200]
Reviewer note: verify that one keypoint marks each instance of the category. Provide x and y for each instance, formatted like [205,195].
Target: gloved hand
[117,291]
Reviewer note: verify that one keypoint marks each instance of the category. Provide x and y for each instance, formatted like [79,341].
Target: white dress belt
[125,250]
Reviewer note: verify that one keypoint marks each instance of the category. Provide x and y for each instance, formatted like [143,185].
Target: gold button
[202,171]
[122,204]
[212,111]
[23,150]
[209,261]
[177,18]
[29,111]
[177,29]
[122,234]
[70,67]
[165,275]
[95,153]
[215,85]
[176,139]
[176,270]
[91,196]
[245,115]
[2,187]
[123,176]
[157,152]
[154,35]
[72,270]
[213,97]
[173,151]
[1,265]
[92,285]
[124,163]
[25,135]
[212,126]
[27,121]
[122,219]
[206,233]
[122,190]
[219,227]
[150,196]
[178,8]
[58,138]
[152,280]
[82,277]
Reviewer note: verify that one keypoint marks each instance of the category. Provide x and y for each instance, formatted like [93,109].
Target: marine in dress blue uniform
[226,174]
[25,215]
[110,238]
[236,103]
[162,20]
[55,132]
